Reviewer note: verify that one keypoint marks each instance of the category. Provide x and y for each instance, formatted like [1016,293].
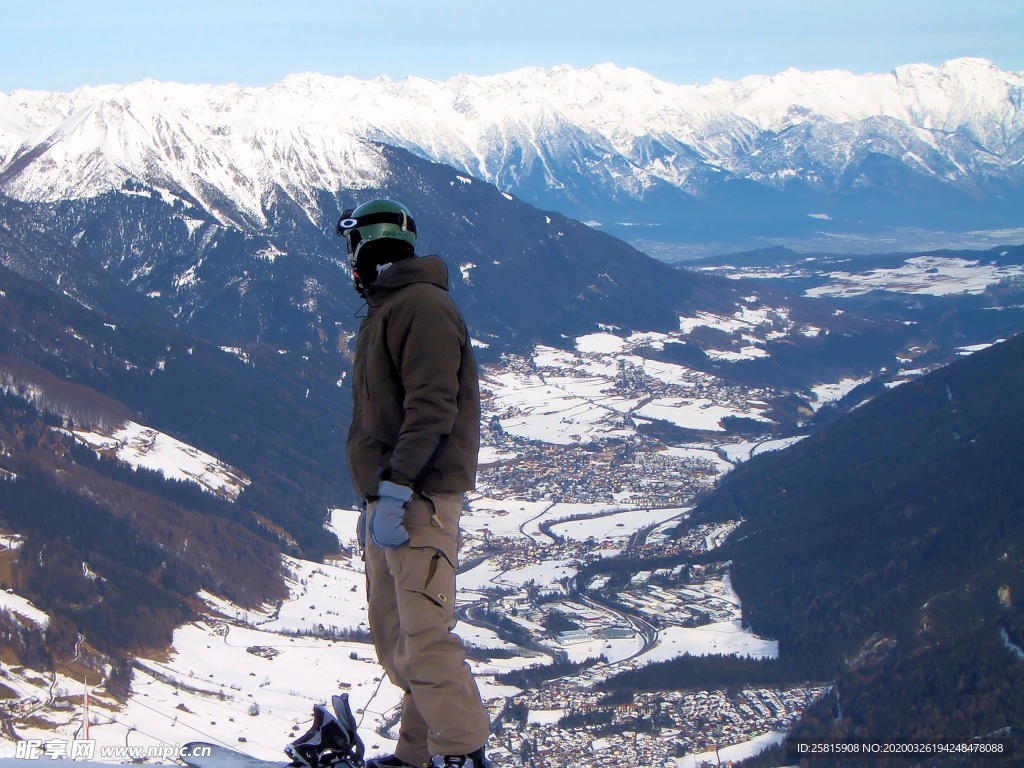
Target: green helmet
[375,220]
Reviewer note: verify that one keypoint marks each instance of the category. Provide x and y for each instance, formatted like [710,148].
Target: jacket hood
[420,269]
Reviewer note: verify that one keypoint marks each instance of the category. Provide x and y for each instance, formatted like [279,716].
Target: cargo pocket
[426,590]
[433,521]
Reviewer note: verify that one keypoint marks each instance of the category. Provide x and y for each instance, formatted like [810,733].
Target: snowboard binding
[331,742]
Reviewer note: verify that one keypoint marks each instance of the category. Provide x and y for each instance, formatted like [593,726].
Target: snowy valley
[569,477]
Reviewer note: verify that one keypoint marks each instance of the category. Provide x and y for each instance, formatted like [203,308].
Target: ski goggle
[349,226]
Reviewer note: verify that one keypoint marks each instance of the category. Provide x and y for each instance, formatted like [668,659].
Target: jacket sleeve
[425,337]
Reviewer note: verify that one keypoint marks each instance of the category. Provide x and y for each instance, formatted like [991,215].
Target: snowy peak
[192,142]
[561,137]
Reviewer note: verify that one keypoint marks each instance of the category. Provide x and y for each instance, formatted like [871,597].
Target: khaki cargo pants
[411,595]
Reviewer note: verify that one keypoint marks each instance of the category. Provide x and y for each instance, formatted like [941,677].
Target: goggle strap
[383,217]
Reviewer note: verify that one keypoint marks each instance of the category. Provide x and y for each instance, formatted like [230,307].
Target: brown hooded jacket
[416,401]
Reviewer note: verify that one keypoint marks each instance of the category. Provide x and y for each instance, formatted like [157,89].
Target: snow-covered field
[567,398]
[141,446]
[829,393]
[326,594]
[738,452]
[23,609]
[699,414]
[560,411]
[923,275]
[614,649]
[620,525]
[504,518]
[251,682]
[284,683]
[725,637]
[544,573]
[930,275]
[734,753]
[972,348]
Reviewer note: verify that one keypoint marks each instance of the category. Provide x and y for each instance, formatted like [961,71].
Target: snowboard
[216,756]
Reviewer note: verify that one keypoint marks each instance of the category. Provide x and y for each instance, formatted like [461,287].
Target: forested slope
[887,551]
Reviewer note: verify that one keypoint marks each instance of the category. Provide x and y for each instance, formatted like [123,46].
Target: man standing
[412,452]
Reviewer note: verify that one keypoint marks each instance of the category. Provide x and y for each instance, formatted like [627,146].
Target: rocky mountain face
[652,161]
[521,275]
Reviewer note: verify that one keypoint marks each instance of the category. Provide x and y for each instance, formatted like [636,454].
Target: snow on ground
[34,689]
[734,753]
[545,716]
[342,523]
[543,573]
[141,446]
[737,452]
[24,609]
[827,393]
[663,533]
[479,577]
[500,517]
[687,325]
[257,676]
[614,649]
[745,353]
[230,610]
[652,339]
[600,342]
[283,676]
[532,408]
[725,637]
[226,682]
[595,389]
[490,455]
[570,397]
[563,511]
[971,348]
[283,658]
[480,637]
[776,445]
[321,594]
[697,413]
[602,365]
[621,525]
[931,275]
[669,373]
[701,454]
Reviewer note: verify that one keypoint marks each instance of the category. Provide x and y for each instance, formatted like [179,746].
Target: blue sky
[59,45]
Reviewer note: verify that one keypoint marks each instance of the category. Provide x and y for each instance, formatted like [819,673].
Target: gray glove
[386,527]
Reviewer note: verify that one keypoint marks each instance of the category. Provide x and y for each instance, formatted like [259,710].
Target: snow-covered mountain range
[611,145]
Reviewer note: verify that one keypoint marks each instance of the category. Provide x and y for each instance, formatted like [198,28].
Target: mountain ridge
[603,142]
